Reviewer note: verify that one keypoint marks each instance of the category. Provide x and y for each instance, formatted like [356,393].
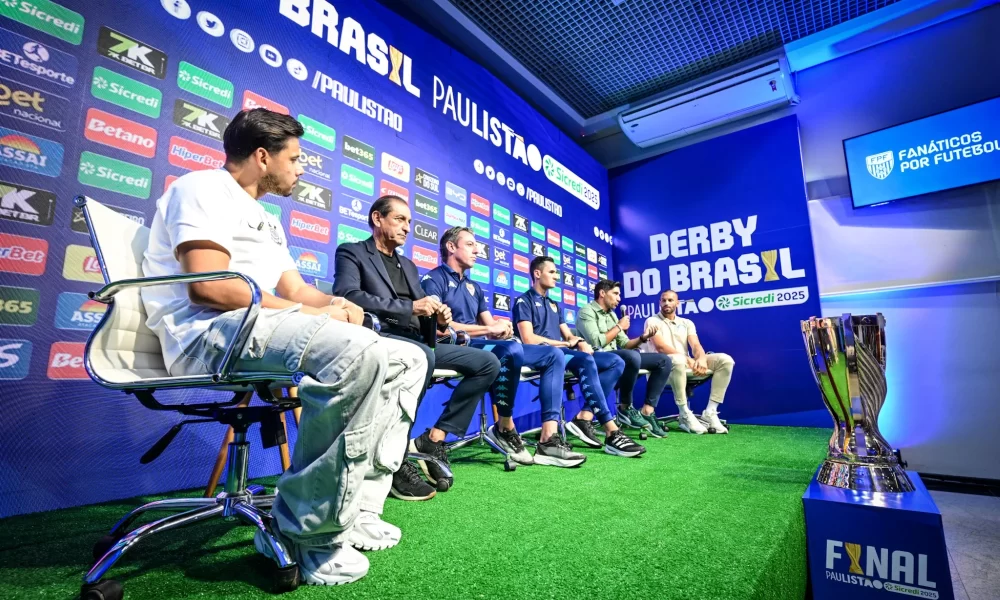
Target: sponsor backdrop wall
[724,224]
[116,100]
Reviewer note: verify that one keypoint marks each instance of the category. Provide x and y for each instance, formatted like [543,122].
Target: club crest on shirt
[552,305]
[471,288]
[275,236]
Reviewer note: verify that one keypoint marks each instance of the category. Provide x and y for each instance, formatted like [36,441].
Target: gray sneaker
[557,453]
[511,443]
[584,430]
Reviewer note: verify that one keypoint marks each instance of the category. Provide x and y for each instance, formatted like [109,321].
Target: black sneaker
[511,443]
[432,471]
[557,453]
[408,485]
[584,430]
[619,444]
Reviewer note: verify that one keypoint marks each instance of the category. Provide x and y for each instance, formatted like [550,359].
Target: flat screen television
[948,150]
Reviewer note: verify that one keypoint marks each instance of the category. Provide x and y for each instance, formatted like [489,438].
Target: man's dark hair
[258,128]
[450,235]
[537,264]
[382,206]
[605,285]
[670,292]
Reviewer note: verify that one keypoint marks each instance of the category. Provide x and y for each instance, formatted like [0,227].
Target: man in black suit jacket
[374,276]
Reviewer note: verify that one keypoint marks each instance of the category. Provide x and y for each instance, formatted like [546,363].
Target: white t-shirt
[676,332]
[207,205]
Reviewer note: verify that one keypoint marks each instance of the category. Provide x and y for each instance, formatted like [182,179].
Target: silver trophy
[847,357]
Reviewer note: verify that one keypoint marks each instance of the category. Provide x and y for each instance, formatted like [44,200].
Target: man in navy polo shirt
[540,322]
[470,313]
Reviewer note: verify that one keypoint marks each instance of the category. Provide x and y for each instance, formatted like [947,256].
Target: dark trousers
[478,368]
[513,355]
[658,366]
[598,374]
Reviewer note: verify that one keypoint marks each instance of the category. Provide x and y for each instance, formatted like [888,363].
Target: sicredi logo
[77,311]
[310,262]
[765,299]
[272,209]
[569,181]
[479,204]
[309,227]
[30,153]
[455,217]
[200,120]
[521,263]
[453,193]
[117,132]
[357,180]
[37,59]
[520,223]
[521,284]
[581,267]
[567,244]
[555,294]
[24,255]
[537,230]
[253,100]
[312,195]
[501,214]
[354,209]
[349,235]
[425,232]
[131,52]
[80,264]
[501,279]
[316,164]
[47,17]
[480,273]
[395,167]
[18,306]
[427,206]
[387,188]
[15,358]
[126,92]
[318,133]
[209,86]
[501,302]
[115,175]
[359,151]
[66,361]
[424,258]
[196,157]
[427,181]
[554,255]
[26,204]
[480,227]
[552,237]
[26,103]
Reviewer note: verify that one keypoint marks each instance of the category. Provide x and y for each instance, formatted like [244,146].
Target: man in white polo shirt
[673,336]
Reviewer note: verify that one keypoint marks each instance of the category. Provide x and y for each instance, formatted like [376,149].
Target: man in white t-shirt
[360,390]
[673,336]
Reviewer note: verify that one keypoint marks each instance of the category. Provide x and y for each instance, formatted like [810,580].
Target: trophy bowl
[847,358]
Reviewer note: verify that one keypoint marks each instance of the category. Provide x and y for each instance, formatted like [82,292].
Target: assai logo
[26,204]
[18,306]
[427,206]
[592,271]
[501,214]
[131,52]
[501,302]
[30,153]
[479,204]
[388,188]
[47,17]
[15,358]
[119,176]
[455,217]
[602,260]
[880,165]
[357,180]
[569,316]
[567,244]
[24,255]
[80,264]
[77,311]
[591,255]
[354,209]
[209,86]
[425,258]
[316,164]
[200,120]
[427,181]
[480,227]
[78,224]
[521,284]
[552,237]
[501,236]
[501,279]
[310,262]
[117,132]
[191,155]
[569,297]
[359,151]
[521,243]
[312,195]
[482,250]
[425,232]
[395,167]
[581,267]
[23,102]
[567,277]
[580,250]
[896,571]
[252,100]
[537,249]
[66,361]
[349,235]
[520,223]
[126,92]
[455,194]
[309,227]
[317,133]
[537,230]
[521,263]
[501,257]
[35,58]
[480,273]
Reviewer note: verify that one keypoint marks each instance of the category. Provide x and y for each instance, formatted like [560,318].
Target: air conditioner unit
[739,94]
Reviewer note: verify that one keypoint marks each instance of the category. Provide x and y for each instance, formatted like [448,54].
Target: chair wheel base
[105,589]
[509,465]
[643,436]
[104,544]
[286,579]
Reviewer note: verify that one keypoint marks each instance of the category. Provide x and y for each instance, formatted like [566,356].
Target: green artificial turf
[697,517]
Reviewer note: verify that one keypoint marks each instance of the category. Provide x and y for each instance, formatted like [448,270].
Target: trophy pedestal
[864,544]
[886,477]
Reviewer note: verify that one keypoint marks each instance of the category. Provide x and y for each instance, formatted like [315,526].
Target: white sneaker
[687,421]
[713,421]
[370,532]
[511,443]
[320,565]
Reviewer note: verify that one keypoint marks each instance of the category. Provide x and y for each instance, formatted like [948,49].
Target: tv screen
[947,150]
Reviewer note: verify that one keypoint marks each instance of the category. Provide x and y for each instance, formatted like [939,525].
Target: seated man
[359,391]
[470,313]
[603,330]
[540,322]
[381,281]
[672,336]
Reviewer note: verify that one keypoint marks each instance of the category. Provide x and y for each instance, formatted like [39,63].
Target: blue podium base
[874,545]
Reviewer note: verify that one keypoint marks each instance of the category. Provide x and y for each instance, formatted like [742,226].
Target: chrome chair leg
[169,504]
[254,516]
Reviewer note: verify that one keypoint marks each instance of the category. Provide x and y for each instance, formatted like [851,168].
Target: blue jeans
[598,374]
[513,355]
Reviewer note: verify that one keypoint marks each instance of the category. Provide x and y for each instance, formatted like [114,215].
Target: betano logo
[357,180]
[47,17]
[252,101]
[30,153]
[896,571]
[66,361]
[117,132]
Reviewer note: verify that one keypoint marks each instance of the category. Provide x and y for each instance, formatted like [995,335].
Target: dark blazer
[360,276]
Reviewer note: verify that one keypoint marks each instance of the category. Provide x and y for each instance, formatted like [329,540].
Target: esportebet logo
[359,151]
[309,227]
[37,59]
[126,92]
[892,570]
[426,206]
[131,52]
[480,227]
[310,262]
[18,306]
[349,235]
[395,167]
[354,209]
[119,132]
[880,165]
[253,100]
[209,86]
[194,156]
[47,17]
[765,299]
[425,232]
[201,120]
[316,164]
[317,133]
[455,217]
[479,204]
[455,194]
[81,264]
[66,361]
[77,311]
[26,204]
[357,180]
[388,188]
[312,195]
[30,153]
[24,255]
[501,302]
[26,103]
[119,176]
[427,181]
[425,258]
[15,358]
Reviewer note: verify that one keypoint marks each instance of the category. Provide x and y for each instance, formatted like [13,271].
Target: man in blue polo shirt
[470,313]
[540,322]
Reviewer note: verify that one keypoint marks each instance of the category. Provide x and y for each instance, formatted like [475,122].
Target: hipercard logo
[427,181]
[24,255]
[388,188]
[47,17]
[425,232]
[26,103]
[427,206]
[131,52]
[200,120]
[312,195]
[317,133]
[30,153]
[310,262]
[77,311]
[15,358]
[209,86]
[126,92]
[357,180]
[193,156]
[424,258]
[66,361]
[81,264]
[316,164]
[395,167]
[18,306]
[119,176]
[359,151]
[35,58]
[309,227]
[252,101]
[26,204]
[118,132]
[479,204]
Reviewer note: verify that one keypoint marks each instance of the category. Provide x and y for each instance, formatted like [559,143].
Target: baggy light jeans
[722,371]
[359,397]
